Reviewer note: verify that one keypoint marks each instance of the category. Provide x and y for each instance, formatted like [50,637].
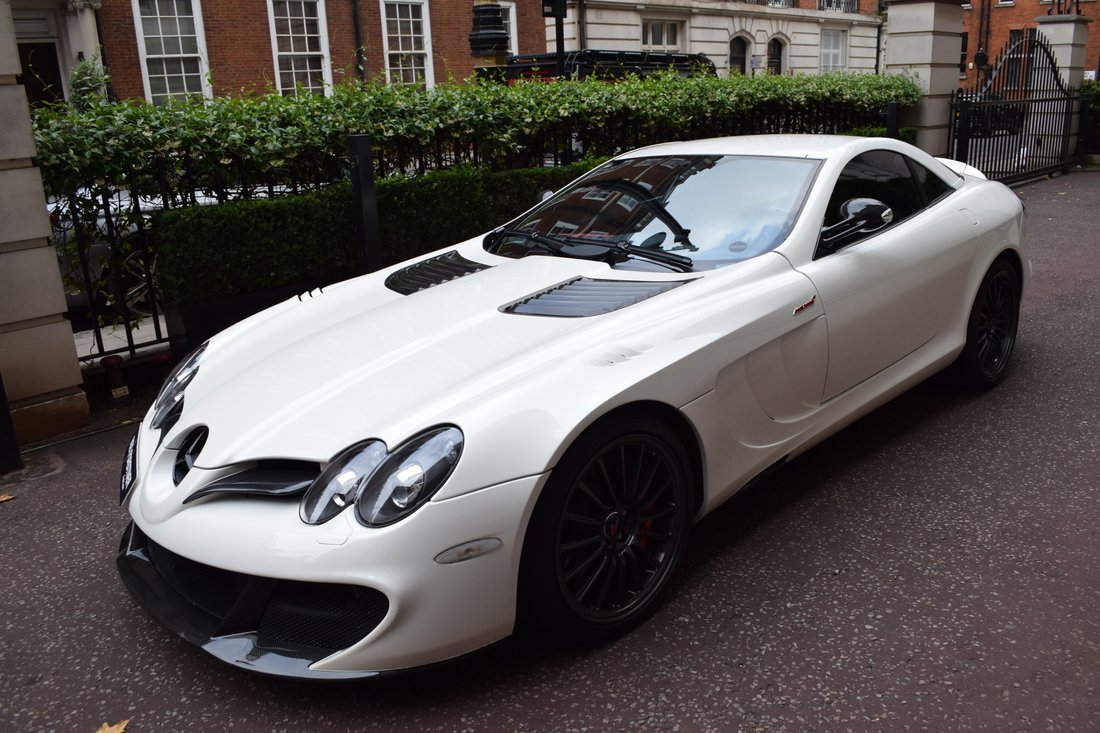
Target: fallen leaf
[116,728]
[5,497]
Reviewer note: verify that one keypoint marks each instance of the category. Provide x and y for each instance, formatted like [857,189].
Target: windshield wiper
[553,244]
[670,260]
[594,249]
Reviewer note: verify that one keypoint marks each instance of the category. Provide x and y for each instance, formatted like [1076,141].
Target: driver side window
[882,175]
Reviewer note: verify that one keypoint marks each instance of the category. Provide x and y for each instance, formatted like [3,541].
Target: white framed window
[407,41]
[299,42]
[834,50]
[511,24]
[661,35]
[172,49]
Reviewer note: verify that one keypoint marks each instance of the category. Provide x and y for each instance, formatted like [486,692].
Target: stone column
[923,39]
[1067,35]
[37,355]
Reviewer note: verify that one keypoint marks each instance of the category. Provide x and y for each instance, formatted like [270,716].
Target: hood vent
[432,272]
[586,297]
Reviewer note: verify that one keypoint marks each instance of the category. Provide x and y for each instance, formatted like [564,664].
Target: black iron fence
[1013,140]
[1018,122]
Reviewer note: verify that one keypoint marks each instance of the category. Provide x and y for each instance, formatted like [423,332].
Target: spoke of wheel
[643,485]
[647,557]
[586,563]
[619,593]
[601,503]
[607,478]
[630,560]
[596,575]
[657,515]
[648,499]
[665,535]
[605,585]
[578,544]
[583,520]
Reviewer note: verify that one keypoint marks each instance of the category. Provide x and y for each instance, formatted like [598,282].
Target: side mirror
[858,216]
[543,196]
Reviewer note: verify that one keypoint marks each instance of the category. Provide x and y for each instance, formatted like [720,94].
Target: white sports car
[522,429]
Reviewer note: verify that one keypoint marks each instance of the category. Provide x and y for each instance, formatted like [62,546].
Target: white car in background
[522,428]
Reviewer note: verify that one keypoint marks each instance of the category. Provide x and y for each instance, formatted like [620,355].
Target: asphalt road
[935,567]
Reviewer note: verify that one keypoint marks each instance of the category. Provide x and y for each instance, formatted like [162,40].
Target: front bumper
[249,583]
[278,627]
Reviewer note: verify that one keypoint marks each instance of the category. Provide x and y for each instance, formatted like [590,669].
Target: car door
[889,291]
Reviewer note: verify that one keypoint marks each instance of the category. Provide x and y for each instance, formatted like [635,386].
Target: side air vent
[273,479]
[586,297]
[432,272]
[188,454]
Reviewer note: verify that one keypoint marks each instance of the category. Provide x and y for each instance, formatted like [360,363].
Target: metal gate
[1015,124]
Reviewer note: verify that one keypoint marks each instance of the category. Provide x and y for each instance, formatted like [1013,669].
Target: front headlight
[167,402]
[338,485]
[409,476]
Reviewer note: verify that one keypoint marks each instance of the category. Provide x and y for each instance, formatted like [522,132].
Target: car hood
[311,376]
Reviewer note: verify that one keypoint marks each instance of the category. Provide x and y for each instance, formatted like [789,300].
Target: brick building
[747,37]
[990,25]
[155,49]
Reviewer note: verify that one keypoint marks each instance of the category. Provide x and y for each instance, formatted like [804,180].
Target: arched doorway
[739,56]
[775,56]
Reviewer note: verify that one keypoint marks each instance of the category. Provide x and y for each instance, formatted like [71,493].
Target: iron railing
[839,6]
[1017,124]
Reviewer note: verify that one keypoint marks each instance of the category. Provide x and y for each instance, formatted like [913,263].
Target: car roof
[787,146]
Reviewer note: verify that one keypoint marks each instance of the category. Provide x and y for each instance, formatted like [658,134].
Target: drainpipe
[103,56]
[582,26]
[360,62]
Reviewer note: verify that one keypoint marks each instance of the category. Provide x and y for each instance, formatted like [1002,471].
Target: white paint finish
[745,352]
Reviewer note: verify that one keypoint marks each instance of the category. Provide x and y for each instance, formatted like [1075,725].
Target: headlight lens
[172,391]
[409,476]
[339,484]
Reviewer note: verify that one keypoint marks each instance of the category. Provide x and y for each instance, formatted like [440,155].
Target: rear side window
[932,185]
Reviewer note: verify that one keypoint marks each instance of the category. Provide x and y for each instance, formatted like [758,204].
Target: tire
[991,328]
[607,532]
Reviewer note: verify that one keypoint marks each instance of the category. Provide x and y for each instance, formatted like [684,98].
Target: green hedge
[299,138]
[207,253]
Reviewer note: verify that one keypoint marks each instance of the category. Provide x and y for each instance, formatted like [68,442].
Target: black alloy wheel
[608,532]
[991,330]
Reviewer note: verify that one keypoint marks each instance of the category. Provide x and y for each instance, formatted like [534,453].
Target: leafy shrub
[207,253]
[908,134]
[227,142]
[1090,95]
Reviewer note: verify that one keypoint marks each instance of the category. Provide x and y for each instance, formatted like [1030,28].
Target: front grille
[211,589]
[320,615]
[316,618]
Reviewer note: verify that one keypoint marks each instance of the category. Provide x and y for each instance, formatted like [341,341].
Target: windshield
[710,210]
